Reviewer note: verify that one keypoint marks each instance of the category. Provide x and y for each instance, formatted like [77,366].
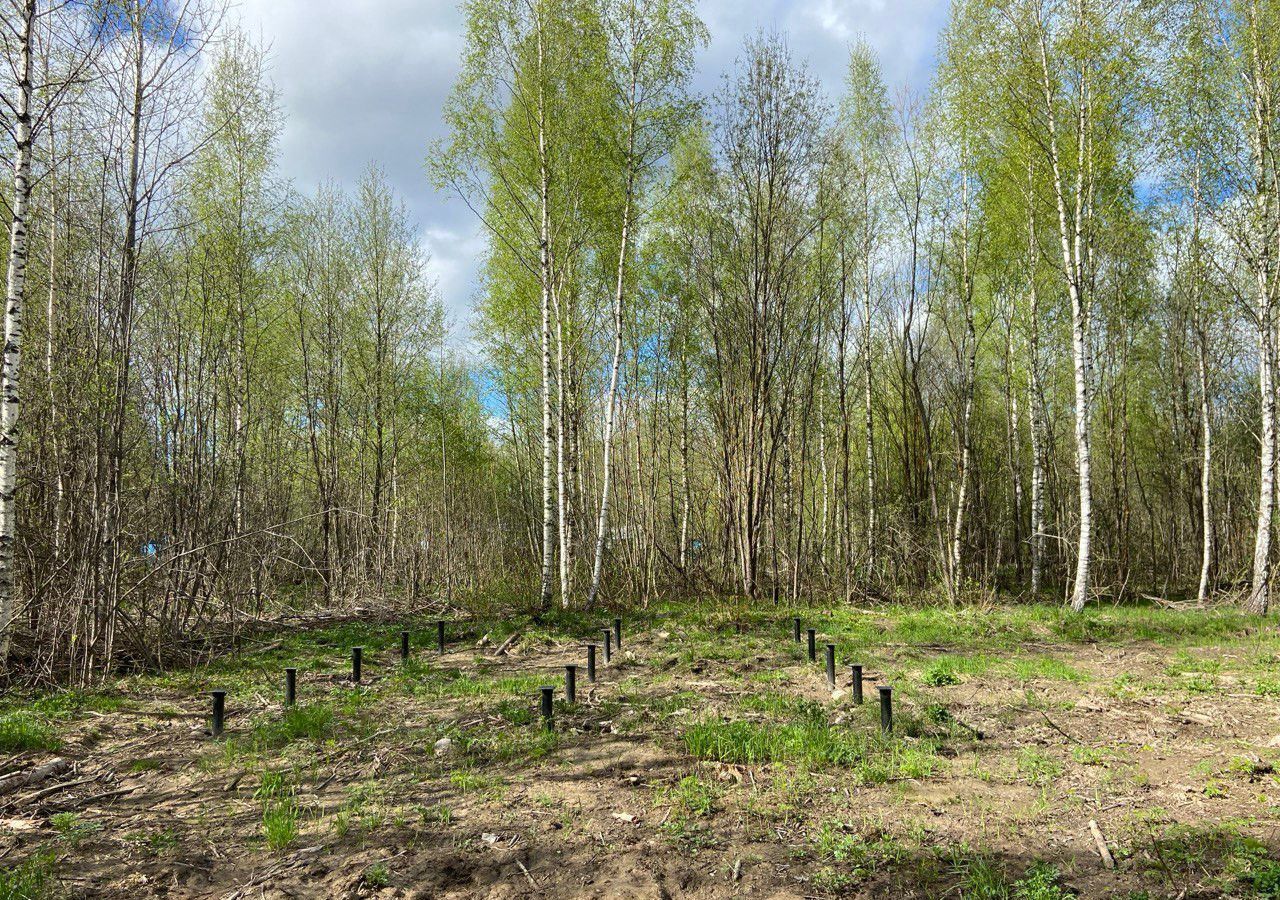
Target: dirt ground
[1005,751]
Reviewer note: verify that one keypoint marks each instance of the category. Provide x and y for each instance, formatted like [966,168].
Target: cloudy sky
[365,80]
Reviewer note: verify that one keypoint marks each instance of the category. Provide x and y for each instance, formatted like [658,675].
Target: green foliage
[983,880]
[1038,767]
[31,879]
[311,722]
[871,760]
[1040,883]
[280,822]
[25,730]
[940,675]
[692,795]
[71,828]
[377,875]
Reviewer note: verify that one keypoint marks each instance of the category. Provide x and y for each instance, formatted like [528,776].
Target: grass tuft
[280,822]
[22,730]
[32,879]
[873,760]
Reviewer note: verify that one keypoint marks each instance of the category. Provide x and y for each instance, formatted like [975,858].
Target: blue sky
[365,80]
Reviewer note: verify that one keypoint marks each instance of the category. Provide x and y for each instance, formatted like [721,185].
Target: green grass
[1238,863]
[692,796]
[71,829]
[523,743]
[154,842]
[25,730]
[280,823]
[871,760]
[784,706]
[943,672]
[863,851]
[312,722]
[1038,767]
[982,880]
[377,875]
[31,879]
[362,812]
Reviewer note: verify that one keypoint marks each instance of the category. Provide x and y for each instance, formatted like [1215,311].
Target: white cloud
[365,80]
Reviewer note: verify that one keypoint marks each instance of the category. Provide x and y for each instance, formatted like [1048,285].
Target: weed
[280,822]
[154,842]
[71,829]
[692,796]
[1088,756]
[24,730]
[31,879]
[831,881]
[271,785]
[517,712]
[1044,667]
[982,880]
[1037,767]
[362,811]
[1039,883]
[439,814]
[1181,851]
[377,875]
[468,781]
[784,706]
[872,760]
[940,676]
[311,722]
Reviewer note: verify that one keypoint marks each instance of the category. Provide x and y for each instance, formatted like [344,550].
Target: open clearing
[703,763]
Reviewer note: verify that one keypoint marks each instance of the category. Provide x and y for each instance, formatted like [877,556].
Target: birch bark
[15,289]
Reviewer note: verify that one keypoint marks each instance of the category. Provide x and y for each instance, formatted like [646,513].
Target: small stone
[838,694]
[444,747]
[663,635]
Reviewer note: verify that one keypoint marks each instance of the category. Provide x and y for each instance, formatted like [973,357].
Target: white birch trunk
[824,534]
[1264,162]
[1070,234]
[611,405]
[14,295]
[685,499]
[870,447]
[962,491]
[1206,422]
[1206,481]
[1259,590]
[563,485]
[1015,462]
[544,268]
[1035,414]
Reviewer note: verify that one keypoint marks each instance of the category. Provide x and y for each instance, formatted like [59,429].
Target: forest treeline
[1014,333]
[235,398]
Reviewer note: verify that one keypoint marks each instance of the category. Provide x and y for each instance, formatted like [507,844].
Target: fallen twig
[1108,862]
[31,776]
[527,875]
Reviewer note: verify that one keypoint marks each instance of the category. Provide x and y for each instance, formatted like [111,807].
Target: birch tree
[41,75]
[651,45]
[863,126]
